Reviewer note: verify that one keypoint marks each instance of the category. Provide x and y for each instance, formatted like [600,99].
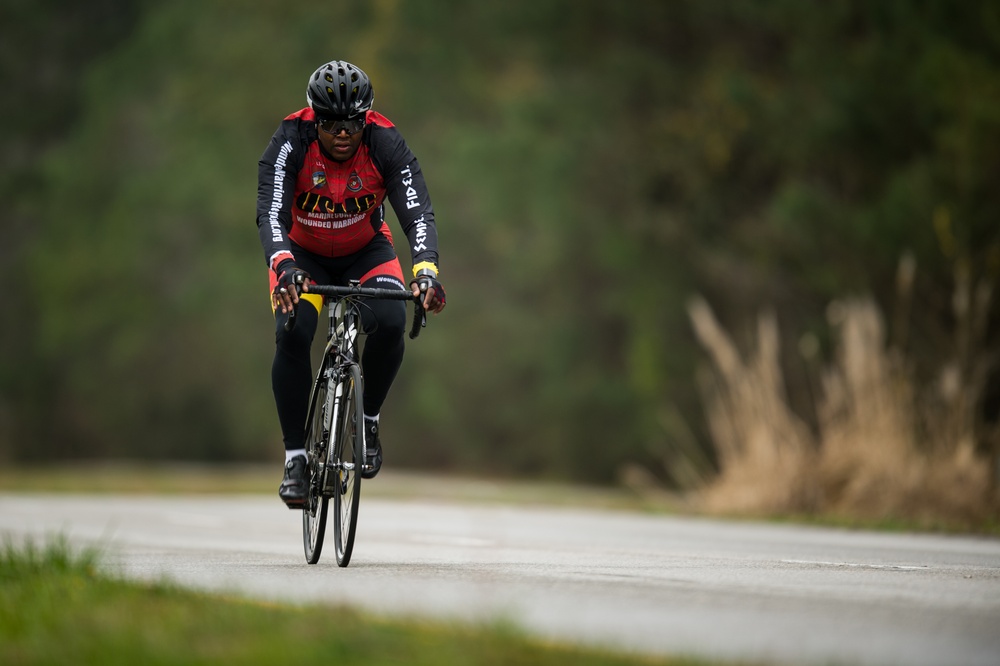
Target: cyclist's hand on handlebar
[291,279]
[430,292]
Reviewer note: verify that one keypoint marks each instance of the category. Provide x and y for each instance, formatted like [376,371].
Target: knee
[390,319]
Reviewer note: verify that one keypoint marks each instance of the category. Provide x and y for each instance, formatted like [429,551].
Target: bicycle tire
[314,512]
[348,457]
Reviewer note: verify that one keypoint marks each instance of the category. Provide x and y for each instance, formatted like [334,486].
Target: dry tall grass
[882,450]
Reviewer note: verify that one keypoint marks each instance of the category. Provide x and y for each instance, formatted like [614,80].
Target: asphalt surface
[650,584]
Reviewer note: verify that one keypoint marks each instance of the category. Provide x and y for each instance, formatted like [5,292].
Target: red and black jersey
[335,208]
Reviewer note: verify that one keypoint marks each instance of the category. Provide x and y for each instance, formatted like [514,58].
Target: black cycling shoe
[294,487]
[373,451]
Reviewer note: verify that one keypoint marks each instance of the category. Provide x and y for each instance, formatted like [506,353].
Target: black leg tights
[384,322]
[291,373]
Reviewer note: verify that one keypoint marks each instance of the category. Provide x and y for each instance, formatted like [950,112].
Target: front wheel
[317,439]
[347,460]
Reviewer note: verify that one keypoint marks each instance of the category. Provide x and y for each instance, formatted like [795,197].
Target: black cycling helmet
[338,89]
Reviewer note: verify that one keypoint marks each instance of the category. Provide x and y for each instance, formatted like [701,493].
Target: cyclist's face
[338,143]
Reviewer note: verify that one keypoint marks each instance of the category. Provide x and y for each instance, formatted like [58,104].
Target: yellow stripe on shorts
[314,300]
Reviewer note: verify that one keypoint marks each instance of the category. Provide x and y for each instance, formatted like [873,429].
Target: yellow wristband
[425,265]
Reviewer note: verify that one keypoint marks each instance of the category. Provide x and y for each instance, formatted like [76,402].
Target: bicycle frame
[341,347]
[342,336]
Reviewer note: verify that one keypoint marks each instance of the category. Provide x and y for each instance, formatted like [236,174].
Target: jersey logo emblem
[319,179]
[354,183]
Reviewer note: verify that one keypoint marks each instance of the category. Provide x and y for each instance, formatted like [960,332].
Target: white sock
[372,418]
[289,454]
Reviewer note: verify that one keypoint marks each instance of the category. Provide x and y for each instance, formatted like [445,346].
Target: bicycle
[335,440]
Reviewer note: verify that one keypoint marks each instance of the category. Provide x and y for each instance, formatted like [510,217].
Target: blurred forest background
[645,208]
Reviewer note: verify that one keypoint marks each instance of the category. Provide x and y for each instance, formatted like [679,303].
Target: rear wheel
[348,456]
[317,439]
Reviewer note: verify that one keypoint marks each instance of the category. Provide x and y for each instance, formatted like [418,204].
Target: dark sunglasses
[350,125]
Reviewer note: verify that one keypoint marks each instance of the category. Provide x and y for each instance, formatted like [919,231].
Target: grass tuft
[28,559]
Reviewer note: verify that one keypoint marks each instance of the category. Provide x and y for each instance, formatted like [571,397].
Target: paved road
[775,593]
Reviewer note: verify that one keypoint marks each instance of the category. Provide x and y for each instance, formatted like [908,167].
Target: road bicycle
[335,436]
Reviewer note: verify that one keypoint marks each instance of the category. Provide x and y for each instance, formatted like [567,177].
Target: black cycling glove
[288,275]
[429,283]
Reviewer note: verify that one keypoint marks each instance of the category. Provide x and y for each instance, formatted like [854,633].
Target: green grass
[60,607]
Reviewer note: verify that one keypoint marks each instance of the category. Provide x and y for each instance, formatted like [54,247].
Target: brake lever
[290,324]
[419,317]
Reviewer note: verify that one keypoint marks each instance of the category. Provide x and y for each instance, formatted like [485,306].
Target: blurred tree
[45,50]
[593,165]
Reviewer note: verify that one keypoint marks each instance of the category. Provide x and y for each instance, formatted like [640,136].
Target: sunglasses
[350,125]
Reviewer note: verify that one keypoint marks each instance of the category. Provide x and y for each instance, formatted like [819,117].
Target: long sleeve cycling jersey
[335,208]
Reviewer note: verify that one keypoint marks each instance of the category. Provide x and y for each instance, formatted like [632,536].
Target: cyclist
[322,183]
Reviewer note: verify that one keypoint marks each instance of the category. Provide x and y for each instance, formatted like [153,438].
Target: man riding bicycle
[322,183]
